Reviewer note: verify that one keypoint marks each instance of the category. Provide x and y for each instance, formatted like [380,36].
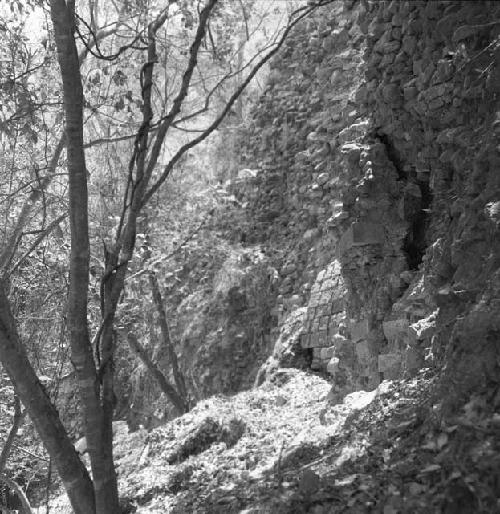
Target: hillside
[281,448]
[337,318]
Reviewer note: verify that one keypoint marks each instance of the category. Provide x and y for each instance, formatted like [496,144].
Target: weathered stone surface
[363,352]
[413,163]
[327,353]
[333,366]
[352,152]
[423,329]
[395,328]
[389,363]
[354,132]
[413,360]
[360,234]
[359,330]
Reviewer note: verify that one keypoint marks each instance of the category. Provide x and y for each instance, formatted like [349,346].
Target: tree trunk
[167,340]
[177,400]
[18,419]
[19,496]
[98,425]
[43,413]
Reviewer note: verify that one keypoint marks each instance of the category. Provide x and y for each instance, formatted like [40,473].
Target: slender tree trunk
[165,332]
[171,393]
[43,413]
[19,493]
[18,419]
[98,423]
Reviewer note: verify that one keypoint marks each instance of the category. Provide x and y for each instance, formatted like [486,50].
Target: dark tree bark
[43,413]
[17,498]
[178,401]
[16,424]
[97,418]
[167,340]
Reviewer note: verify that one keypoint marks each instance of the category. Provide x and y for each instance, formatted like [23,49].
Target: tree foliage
[136,86]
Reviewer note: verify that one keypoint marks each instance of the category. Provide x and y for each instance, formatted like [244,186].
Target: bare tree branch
[183,91]
[18,419]
[171,393]
[14,238]
[300,14]
[43,234]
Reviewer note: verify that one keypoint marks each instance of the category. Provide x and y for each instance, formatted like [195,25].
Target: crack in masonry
[415,243]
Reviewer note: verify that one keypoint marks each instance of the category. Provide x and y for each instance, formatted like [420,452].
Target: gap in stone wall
[415,242]
[393,155]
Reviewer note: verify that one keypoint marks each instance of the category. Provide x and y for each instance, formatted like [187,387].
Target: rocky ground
[282,448]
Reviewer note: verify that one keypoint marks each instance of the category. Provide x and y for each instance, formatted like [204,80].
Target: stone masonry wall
[376,187]
[294,205]
[431,95]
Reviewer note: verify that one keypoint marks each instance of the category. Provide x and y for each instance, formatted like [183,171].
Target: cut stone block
[305,340]
[360,234]
[317,353]
[367,233]
[413,359]
[314,342]
[327,353]
[323,338]
[389,363]
[359,330]
[394,328]
[337,305]
[316,365]
[323,322]
[317,339]
[363,352]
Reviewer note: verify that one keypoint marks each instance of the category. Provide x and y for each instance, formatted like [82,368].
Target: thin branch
[107,140]
[245,19]
[31,454]
[43,234]
[176,250]
[210,93]
[167,339]
[183,91]
[16,423]
[89,45]
[305,11]
[12,242]
[14,486]
[172,394]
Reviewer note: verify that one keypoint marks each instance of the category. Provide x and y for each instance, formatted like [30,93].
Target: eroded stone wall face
[377,185]
[431,94]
